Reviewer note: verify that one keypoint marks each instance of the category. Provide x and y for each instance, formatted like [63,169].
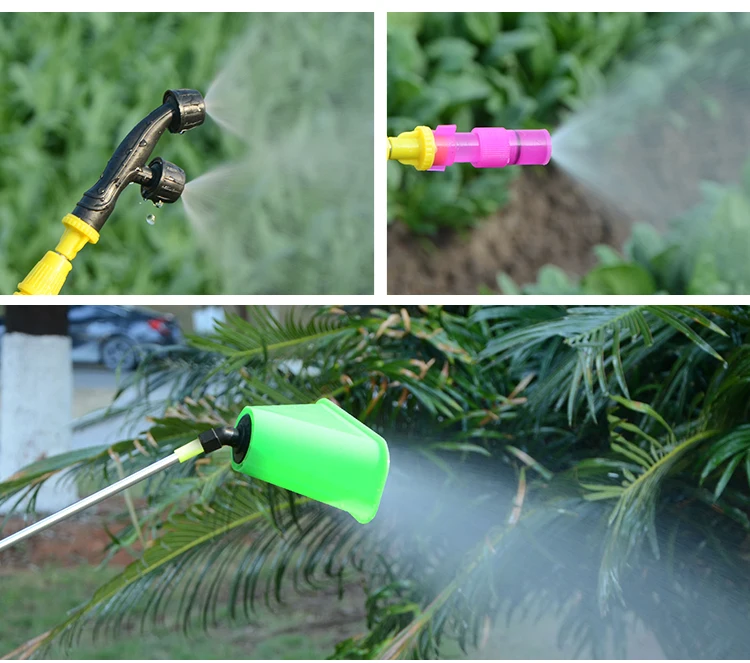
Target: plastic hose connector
[494,148]
[413,148]
[491,147]
[48,276]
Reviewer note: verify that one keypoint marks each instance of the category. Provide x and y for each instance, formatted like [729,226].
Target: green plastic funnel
[318,451]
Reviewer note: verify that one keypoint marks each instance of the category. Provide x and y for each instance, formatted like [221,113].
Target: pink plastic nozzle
[491,147]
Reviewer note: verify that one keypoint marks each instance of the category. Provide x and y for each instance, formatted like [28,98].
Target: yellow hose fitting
[413,148]
[49,274]
[76,235]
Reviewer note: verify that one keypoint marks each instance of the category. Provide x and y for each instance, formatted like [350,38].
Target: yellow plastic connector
[49,274]
[413,148]
[189,450]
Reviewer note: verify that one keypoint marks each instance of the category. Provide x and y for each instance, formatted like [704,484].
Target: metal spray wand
[206,442]
[317,450]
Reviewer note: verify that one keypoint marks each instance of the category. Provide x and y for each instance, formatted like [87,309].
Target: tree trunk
[36,395]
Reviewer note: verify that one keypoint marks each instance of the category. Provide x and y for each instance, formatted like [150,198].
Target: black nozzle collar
[162,181]
[190,109]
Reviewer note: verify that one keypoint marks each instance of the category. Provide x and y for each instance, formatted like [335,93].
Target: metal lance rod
[86,502]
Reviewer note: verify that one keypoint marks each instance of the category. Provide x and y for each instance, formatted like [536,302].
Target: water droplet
[159,203]
[151,219]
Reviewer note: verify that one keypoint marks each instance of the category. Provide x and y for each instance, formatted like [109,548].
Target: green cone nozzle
[317,450]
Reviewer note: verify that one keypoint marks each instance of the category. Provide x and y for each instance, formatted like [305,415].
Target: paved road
[90,376]
[94,389]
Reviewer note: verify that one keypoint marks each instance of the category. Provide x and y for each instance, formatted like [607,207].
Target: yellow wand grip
[49,274]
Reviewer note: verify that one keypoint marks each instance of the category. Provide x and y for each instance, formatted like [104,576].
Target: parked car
[117,336]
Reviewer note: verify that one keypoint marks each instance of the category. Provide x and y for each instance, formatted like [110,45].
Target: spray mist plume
[293,210]
[493,541]
[675,117]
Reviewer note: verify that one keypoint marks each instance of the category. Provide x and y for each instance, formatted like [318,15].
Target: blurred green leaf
[451,53]
[411,21]
[462,88]
[625,279]
[607,256]
[507,43]
[482,26]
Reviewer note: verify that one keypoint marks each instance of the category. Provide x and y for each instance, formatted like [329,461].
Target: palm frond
[641,477]
[179,425]
[237,550]
[727,401]
[240,340]
[603,338]
[727,453]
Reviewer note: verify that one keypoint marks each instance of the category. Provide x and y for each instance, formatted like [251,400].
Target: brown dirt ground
[78,540]
[549,220]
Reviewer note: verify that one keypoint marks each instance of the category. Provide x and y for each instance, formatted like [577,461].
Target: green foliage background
[73,85]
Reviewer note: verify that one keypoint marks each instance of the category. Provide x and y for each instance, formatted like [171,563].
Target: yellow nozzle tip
[413,148]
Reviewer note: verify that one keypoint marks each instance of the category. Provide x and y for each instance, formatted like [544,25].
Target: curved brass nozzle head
[160,180]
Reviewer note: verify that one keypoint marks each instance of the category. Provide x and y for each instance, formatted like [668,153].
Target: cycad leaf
[239,339]
[234,541]
[671,318]
[729,446]
[598,335]
[633,516]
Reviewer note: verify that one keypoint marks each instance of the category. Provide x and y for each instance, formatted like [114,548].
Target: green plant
[703,251]
[510,69]
[304,226]
[587,462]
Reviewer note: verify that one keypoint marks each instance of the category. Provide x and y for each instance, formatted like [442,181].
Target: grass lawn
[306,628]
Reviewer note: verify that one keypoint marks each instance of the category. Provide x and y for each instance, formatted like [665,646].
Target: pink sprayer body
[491,147]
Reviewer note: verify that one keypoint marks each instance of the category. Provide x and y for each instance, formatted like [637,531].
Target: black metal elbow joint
[161,181]
[238,438]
